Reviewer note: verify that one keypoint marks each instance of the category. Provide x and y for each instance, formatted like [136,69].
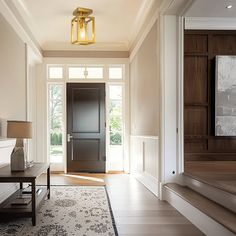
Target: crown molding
[85,54]
[141,17]
[16,22]
[210,23]
[177,7]
[167,7]
[67,46]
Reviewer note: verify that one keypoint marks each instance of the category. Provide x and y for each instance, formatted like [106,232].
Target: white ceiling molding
[144,29]
[172,7]
[141,17]
[15,23]
[210,23]
[178,7]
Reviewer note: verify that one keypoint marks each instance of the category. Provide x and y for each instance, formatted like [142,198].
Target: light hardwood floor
[136,210]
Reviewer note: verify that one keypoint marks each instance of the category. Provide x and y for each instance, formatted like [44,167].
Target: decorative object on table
[19,130]
[83,27]
[225,96]
[67,214]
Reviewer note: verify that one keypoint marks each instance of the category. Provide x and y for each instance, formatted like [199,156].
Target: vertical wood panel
[195,72]
[200,50]
[195,121]
[195,43]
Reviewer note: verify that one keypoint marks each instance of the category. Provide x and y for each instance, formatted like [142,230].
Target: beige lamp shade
[19,129]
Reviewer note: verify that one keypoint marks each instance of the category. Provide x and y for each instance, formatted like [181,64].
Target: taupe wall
[144,84]
[12,75]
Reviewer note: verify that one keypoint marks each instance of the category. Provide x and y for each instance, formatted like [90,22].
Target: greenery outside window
[56,123]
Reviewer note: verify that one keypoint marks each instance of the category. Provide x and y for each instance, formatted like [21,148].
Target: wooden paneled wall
[200,49]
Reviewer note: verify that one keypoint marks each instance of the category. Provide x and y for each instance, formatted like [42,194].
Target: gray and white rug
[72,210]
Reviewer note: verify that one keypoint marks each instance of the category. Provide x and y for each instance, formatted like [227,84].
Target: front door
[86,127]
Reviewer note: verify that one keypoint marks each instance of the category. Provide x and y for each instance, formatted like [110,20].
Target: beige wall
[12,87]
[144,84]
[12,75]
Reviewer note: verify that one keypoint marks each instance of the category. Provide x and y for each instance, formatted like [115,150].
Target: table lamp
[19,130]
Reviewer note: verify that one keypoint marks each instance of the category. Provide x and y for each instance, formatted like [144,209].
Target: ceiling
[212,8]
[49,21]
[117,21]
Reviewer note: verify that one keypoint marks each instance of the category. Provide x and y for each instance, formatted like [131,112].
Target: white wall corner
[169,75]
[171,72]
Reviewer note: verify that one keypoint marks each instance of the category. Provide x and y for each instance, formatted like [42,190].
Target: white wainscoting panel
[144,153]
[6,147]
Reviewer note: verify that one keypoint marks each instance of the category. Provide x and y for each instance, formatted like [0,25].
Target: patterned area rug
[72,210]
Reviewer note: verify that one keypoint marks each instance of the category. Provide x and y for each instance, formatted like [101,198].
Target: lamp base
[18,159]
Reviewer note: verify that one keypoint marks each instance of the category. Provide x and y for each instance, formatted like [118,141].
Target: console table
[27,176]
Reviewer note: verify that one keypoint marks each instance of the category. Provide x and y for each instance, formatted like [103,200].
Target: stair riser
[219,196]
[206,224]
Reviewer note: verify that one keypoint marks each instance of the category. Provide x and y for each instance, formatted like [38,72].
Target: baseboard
[206,224]
[149,182]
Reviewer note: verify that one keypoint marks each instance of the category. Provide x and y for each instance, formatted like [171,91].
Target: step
[210,208]
[216,191]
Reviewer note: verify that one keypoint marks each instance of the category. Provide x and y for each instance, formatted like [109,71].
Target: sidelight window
[116,127]
[55,122]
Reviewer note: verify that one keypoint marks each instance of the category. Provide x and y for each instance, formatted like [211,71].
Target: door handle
[69,137]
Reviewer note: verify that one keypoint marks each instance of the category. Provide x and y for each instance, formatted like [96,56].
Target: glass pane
[76,72]
[56,123]
[115,108]
[116,138]
[55,72]
[115,115]
[115,92]
[115,72]
[95,72]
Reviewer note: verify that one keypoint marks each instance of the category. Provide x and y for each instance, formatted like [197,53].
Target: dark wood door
[86,127]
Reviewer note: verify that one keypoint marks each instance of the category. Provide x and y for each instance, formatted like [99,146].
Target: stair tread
[225,182]
[208,207]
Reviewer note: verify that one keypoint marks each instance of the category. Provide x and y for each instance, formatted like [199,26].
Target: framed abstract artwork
[225,96]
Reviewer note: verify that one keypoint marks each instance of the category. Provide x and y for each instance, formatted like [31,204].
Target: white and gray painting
[225,117]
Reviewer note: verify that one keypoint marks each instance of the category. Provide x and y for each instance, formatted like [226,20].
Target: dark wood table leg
[33,187]
[21,185]
[48,181]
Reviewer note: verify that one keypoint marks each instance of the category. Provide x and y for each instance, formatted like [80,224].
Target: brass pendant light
[83,27]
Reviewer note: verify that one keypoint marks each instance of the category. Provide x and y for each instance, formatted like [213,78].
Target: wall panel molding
[144,155]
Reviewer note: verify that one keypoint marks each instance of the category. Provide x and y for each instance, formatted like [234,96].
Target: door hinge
[177,130]
[105,158]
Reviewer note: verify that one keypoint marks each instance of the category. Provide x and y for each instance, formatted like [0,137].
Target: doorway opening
[61,140]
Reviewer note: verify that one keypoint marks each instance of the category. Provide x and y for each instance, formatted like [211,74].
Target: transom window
[55,72]
[85,72]
[116,72]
